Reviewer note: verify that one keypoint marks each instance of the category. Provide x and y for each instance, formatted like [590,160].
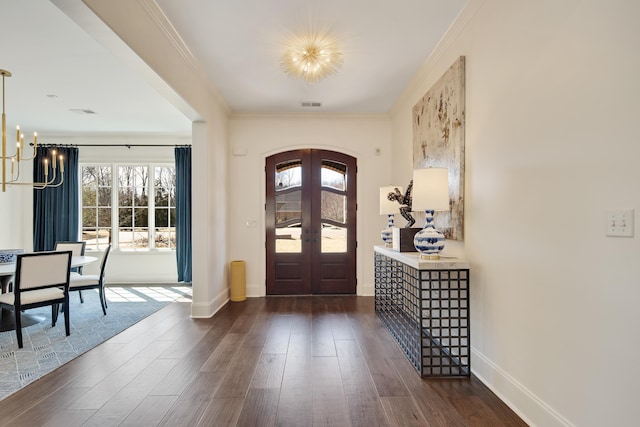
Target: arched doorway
[311,223]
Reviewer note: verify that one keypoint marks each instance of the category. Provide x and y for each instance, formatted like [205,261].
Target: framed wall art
[438,141]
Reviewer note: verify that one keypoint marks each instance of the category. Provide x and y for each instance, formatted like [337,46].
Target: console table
[425,306]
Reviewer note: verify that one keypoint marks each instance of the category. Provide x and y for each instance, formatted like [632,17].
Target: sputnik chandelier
[18,156]
[311,56]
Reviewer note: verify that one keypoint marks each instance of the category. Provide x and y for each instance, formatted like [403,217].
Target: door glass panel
[288,174]
[288,239]
[334,175]
[288,222]
[333,239]
[333,206]
[288,207]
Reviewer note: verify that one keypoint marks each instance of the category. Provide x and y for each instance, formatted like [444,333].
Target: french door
[311,223]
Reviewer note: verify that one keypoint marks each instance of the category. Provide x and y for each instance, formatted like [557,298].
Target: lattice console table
[425,306]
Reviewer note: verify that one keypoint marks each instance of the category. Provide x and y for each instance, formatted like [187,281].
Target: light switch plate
[620,223]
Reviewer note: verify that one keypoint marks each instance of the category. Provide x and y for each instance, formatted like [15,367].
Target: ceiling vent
[310,104]
[82,111]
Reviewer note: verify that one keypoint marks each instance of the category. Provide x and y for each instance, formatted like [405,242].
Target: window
[117,207]
[96,206]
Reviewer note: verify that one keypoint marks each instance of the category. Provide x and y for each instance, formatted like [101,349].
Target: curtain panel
[56,209]
[183,212]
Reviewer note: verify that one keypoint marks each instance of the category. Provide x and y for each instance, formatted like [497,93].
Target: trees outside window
[117,208]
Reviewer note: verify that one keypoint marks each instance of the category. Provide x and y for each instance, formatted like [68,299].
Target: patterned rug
[47,348]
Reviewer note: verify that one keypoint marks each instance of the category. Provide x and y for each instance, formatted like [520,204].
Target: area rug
[47,348]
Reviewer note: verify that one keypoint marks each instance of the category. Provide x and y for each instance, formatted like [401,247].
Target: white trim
[210,308]
[520,399]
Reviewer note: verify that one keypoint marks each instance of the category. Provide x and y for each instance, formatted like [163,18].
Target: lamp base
[429,241]
[387,237]
[429,257]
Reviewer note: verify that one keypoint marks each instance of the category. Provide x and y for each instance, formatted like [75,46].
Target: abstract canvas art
[438,141]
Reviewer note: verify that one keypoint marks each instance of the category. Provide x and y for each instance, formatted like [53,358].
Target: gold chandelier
[311,56]
[18,156]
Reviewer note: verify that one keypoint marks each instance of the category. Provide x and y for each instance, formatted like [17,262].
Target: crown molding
[164,25]
[455,29]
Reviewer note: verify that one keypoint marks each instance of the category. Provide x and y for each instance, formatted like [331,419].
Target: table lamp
[430,193]
[390,208]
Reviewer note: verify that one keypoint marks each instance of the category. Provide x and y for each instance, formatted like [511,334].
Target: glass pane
[140,176]
[334,175]
[288,174]
[288,239]
[172,212]
[333,239]
[142,217]
[88,217]
[88,196]
[288,207]
[89,176]
[104,217]
[162,217]
[104,196]
[165,238]
[125,237]
[125,217]
[125,197]
[141,196]
[89,235]
[103,176]
[334,206]
[141,238]
[104,237]
[166,179]
[162,196]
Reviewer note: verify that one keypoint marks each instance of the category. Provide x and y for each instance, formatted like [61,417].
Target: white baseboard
[208,309]
[255,291]
[533,410]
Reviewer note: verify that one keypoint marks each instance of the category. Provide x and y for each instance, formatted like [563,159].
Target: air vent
[82,111]
[310,104]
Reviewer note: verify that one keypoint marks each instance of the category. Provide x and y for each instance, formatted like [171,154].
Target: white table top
[7,269]
[413,259]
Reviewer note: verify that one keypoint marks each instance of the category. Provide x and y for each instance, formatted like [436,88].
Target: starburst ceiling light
[311,56]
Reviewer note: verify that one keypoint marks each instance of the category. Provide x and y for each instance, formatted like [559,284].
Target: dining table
[7,270]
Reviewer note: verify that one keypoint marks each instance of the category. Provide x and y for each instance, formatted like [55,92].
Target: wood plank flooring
[277,361]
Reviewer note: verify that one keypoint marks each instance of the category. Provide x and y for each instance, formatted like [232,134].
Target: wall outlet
[620,223]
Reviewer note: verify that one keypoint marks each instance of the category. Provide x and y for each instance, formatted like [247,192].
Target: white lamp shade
[430,189]
[389,207]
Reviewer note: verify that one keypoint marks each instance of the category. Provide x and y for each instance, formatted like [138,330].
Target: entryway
[311,223]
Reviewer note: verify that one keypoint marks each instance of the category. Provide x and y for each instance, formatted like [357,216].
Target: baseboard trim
[210,308]
[533,410]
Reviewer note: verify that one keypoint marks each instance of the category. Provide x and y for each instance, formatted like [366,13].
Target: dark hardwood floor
[278,361]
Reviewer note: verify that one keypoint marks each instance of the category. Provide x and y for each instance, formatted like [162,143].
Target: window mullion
[151,209]
[115,220]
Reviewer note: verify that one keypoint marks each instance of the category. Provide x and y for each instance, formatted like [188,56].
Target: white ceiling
[238,44]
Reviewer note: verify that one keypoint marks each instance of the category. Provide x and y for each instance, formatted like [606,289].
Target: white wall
[160,52]
[551,145]
[262,136]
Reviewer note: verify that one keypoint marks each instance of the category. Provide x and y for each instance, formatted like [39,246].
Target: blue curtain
[55,209]
[183,212]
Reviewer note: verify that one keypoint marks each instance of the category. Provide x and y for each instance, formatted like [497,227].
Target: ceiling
[60,71]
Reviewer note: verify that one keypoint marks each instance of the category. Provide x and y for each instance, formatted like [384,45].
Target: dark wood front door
[311,223]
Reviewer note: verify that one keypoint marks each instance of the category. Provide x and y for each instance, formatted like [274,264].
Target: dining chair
[80,282]
[77,249]
[41,279]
